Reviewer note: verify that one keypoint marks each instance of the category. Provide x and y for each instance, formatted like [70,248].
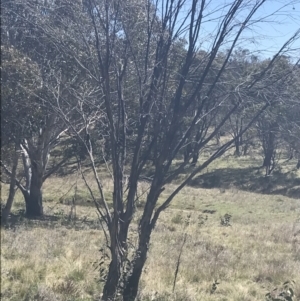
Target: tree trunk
[131,288]
[269,152]
[145,228]
[269,163]
[185,156]
[291,156]
[245,149]
[12,191]
[34,201]
[237,144]
[187,152]
[195,158]
[118,250]
[110,289]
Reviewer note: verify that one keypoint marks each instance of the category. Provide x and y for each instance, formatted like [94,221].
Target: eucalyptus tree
[34,76]
[241,65]
[289,126]
[272,124]
[29,129]
[17,107]
[13,67]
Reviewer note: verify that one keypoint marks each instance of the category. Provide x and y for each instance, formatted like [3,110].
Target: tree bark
[131,288]
[12,190]
[237,151]
[195,158]
[187,152]
[269,152]
[245,149]
[110,289]
[268,164]
[146,226]
[34,204]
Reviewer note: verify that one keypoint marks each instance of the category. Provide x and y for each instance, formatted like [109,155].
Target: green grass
[56,258]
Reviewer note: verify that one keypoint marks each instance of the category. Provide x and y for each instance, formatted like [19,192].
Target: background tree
[17,71]
[270,123]
[33,77]
[289,125]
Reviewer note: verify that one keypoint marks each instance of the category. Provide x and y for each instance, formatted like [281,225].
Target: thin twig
[178,261]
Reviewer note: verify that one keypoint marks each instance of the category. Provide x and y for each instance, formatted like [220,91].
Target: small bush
[225,220]
[177,219]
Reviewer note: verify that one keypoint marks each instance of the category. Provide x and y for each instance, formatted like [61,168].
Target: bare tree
[164,97]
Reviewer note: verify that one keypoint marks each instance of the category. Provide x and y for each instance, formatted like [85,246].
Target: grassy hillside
[257,250]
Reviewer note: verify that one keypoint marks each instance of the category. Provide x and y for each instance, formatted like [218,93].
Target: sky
[288,22]
[285,22]
[281,21]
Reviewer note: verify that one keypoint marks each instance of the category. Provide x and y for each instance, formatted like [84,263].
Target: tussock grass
[59,260]
[56,258]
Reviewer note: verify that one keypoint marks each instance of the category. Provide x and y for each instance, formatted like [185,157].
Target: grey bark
[12,189]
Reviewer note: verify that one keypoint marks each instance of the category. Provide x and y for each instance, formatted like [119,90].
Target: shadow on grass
[82,198]
[70,168]
[250,179]
[19,219]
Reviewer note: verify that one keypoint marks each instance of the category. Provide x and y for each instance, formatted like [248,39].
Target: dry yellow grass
[54,259]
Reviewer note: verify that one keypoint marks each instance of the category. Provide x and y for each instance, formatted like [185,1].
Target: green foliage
[20,78]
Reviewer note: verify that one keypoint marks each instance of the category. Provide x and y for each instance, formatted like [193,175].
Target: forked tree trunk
[145,229]
[132,285]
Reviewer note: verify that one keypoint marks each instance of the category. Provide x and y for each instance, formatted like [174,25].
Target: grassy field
[259,249]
